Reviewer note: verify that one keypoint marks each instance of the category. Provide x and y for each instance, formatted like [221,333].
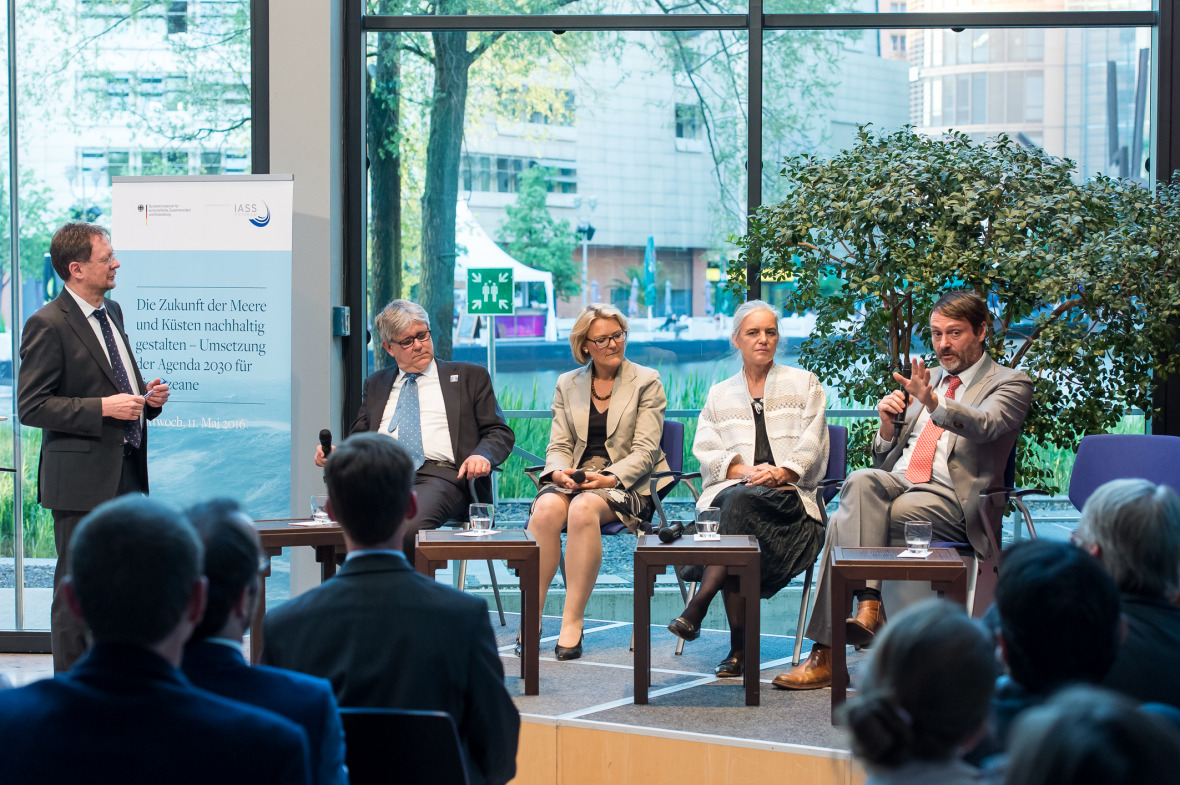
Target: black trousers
[439,501]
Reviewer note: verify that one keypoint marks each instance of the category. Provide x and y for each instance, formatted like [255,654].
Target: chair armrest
[1015,493]
[829,483]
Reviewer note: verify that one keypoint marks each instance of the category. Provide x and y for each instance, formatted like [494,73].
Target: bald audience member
[125,713]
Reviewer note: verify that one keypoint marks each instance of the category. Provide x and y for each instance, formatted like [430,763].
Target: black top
[762,452]
[596,436]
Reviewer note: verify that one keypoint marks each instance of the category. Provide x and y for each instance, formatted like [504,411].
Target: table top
[289,524]
[728,542]
[939,556]
[502,537]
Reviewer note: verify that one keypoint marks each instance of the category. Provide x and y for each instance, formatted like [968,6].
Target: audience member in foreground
[124,713]
[763,447]
[924,697]
[1088,736]
[959,430]
[1133,528]
[1059,624]
[213,656]
[387,636]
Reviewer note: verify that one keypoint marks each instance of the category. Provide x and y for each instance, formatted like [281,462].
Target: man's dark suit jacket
[124,714]
[389,637]
[64,375]
[305,700]
[476,421]
[1145,667]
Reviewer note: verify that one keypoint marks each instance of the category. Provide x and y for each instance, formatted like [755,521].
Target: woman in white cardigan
[762,443]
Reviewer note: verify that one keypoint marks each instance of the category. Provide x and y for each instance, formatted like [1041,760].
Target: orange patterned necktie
[922,460]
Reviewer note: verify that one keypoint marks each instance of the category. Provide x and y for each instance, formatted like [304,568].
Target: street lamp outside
[585,208]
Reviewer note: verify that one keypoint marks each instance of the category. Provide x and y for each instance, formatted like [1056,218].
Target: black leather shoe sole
[731,667]
[569,652]
[683,630]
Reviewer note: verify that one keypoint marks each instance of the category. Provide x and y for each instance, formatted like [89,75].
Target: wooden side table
[435,547]
[277,534]
[740,556]
[852,567]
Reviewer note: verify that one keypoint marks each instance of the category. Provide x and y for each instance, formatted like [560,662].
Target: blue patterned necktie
[407,420]
[132,429]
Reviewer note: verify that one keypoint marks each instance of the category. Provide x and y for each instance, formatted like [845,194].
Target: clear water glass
[319,507]
[708,519]
[482,516]
[917,536]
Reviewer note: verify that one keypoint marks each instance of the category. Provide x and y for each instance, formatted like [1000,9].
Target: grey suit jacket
[63,377]
[634,424]
[983,423]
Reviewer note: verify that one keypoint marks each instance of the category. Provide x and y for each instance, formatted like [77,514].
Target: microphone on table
[899,423]
[578,476]
[672,531]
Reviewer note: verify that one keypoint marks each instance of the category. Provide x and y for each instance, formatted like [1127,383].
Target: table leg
[256,642]
[841,602]
[645,579]
[751,581]
[326,556]
[530,618]
[953,590]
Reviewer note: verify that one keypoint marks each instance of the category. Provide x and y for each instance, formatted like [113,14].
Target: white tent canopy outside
[476,249]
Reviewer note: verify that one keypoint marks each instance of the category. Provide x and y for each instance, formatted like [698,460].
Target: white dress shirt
[940,472]
[436,431]
[88,312]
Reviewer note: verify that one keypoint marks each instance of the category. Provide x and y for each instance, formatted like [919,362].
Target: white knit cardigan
[794,404]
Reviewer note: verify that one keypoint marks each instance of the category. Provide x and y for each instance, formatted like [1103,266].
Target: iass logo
[252,213]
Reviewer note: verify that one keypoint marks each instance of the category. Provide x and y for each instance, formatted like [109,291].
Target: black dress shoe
[682,629]
[732,666]
[570,652]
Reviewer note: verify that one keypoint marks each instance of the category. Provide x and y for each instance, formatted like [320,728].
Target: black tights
[712,582]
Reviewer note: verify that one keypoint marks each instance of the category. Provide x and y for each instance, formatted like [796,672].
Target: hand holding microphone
[325,448]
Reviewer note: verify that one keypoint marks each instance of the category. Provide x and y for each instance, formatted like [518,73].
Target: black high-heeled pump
[570,652]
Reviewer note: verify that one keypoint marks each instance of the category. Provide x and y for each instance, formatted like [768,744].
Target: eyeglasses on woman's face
[615,337]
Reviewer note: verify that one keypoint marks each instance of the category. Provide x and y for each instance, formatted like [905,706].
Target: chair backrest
[672,443]
[1105,457]
[400,745]
[837,459]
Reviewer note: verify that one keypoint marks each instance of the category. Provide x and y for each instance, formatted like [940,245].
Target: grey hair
[747,308]
[397,317]
[582,324]
[1136,523]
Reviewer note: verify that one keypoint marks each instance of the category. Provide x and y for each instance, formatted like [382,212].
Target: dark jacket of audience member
[924,696]
[1059,624]
[387,636]
[1133,528]
[213,657]
[125,713]
[1088,736]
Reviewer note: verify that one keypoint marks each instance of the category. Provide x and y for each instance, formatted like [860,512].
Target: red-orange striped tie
[922,459]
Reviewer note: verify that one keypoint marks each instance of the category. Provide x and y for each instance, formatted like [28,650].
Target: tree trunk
[441,192]
[385,259]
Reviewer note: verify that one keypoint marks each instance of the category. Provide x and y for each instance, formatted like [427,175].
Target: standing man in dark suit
[445,413]
[387,636]
[213,656]
[960,429]
[125,713]
[80,385]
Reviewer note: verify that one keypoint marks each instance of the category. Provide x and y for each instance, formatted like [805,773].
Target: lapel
[81,327]
[380,397]
[621,397]
[450,396]
[971,394]
[580,402]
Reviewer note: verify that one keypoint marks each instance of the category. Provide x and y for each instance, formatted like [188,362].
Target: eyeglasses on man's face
[603,342]
[421,337]
[107,261]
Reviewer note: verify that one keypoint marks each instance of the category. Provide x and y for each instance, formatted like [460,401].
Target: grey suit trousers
[874,506]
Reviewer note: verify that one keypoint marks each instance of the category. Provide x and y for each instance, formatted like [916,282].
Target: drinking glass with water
[482,516]
[319,505]
[917,536]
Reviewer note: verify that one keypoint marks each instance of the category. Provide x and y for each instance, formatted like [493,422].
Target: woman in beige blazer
[608,417]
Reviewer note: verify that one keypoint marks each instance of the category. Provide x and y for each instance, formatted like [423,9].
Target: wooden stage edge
[554,751]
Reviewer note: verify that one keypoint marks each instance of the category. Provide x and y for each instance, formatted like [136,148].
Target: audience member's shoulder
[302,684]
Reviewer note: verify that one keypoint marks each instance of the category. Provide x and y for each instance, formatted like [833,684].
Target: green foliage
[1083,280]
[38,522]
[535,239]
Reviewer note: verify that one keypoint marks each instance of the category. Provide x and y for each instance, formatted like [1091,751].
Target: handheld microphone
[899,422]
[326,442]
[672,531]
[578,476]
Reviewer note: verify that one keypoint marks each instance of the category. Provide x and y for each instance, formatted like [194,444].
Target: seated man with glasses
[444,413]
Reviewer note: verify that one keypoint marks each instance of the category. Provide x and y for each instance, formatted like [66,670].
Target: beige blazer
[634,425]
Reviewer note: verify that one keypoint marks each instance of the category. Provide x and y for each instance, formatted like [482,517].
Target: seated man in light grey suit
[960,429]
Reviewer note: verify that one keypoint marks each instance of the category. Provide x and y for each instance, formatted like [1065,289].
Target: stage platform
[585,728]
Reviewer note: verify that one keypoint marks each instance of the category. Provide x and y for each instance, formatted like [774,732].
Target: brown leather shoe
[870,617]
[813,673]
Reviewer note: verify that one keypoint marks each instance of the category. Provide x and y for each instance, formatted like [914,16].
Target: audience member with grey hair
[1133,527]
[445,413]
[1088,736]
[124,712]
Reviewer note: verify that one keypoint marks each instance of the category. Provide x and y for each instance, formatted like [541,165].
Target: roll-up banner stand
[205,285]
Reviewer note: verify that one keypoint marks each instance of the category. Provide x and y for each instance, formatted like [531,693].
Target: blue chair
[834,477]
[1105,457]
[402,745]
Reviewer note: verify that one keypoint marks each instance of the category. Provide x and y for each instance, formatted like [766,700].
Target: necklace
[595,392]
